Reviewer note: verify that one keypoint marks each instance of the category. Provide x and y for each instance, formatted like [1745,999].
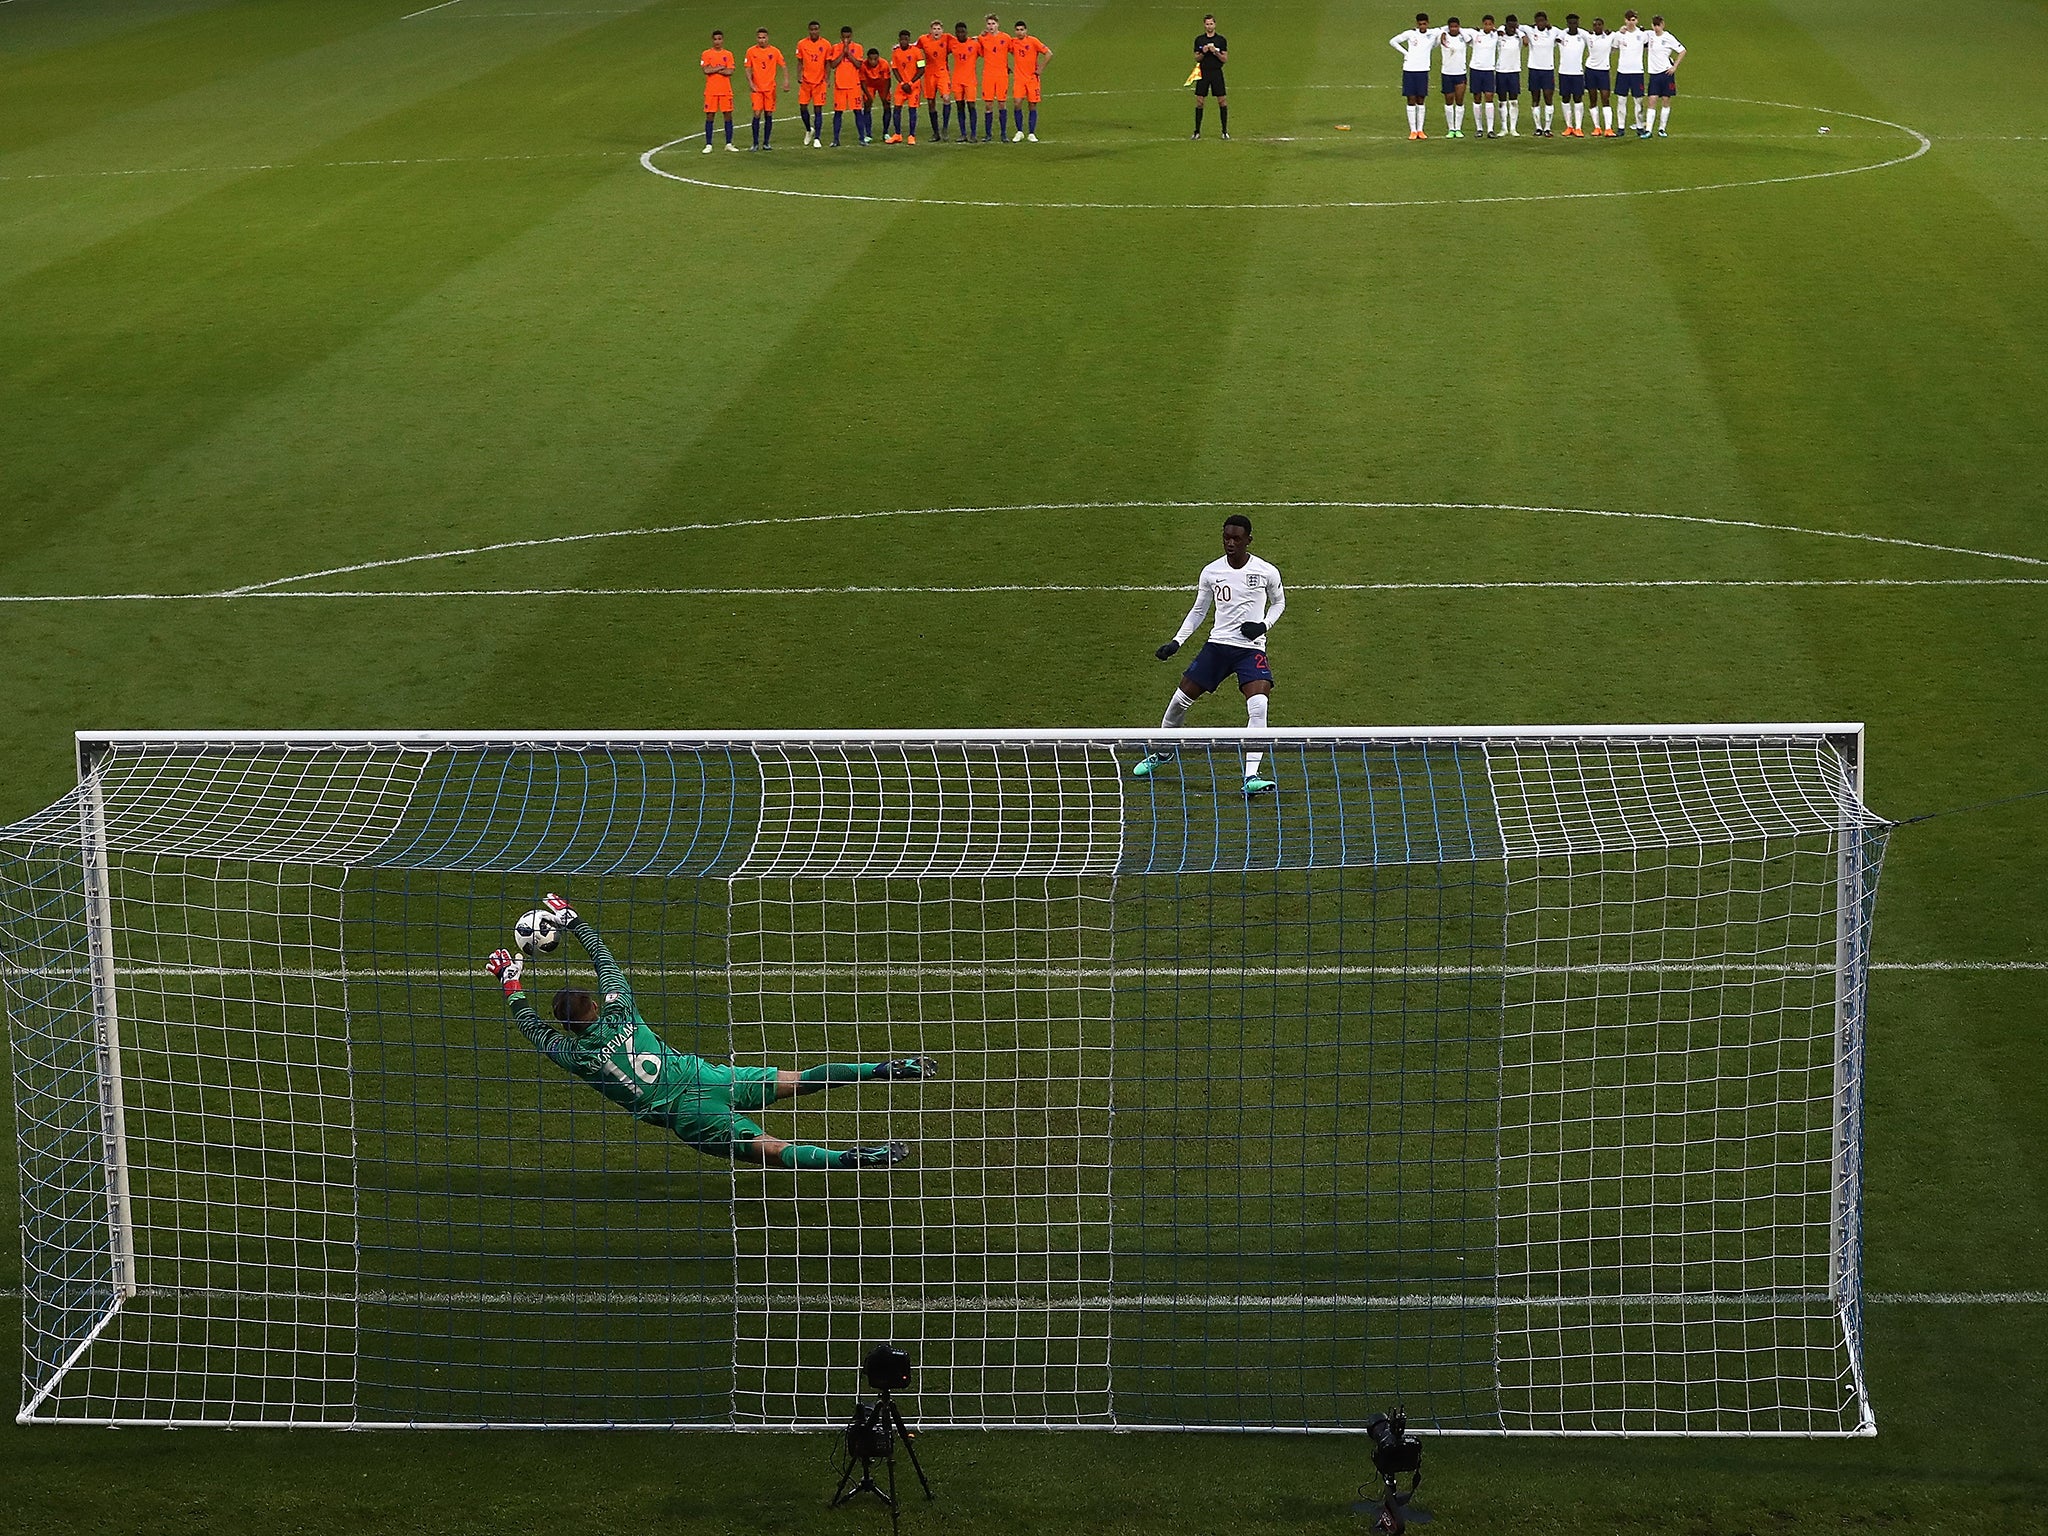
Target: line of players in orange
[986,79]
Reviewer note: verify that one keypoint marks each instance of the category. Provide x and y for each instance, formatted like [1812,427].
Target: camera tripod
[1393,1510]
[871,1436]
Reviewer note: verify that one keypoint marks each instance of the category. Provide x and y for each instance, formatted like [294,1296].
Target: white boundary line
[806,519]
[442,6]
[1766,969]
[1921,145]
[913,1300]
[313,165]
[1019,588]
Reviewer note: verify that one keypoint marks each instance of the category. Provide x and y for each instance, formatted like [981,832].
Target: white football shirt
[1543,47]
[1628,51]
[1571,52]
[1416,48]
[1453,49]
[1485,49]
[1510,61]
[1599,50]
[1665,51]
[1249,593]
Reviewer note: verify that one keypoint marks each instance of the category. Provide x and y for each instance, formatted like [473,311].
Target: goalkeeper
[607,1044]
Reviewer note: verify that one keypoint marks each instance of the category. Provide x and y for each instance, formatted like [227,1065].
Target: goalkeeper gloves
[1165,652]
[1251,629]
[564,913]
[506,967]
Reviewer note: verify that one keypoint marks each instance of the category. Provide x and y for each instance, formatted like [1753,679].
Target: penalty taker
[1249,600]
[606,1044]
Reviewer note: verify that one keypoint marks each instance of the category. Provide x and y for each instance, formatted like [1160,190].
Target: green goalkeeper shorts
[706,1114]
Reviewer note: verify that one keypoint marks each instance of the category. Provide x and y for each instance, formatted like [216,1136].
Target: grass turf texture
[261,356]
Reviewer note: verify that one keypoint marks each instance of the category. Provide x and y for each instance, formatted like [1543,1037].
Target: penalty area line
[945,1300]
[1778,969]
[999,589]
[277,584]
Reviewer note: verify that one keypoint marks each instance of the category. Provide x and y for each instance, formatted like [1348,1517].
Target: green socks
[809,1157]
[841,1072]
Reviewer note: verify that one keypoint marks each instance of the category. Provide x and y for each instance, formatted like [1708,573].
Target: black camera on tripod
[874,1431]
[1395,1454]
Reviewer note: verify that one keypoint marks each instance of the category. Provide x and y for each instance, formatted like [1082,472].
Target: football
[537,933]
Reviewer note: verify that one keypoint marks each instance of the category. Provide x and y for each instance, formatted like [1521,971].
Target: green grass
[290,286]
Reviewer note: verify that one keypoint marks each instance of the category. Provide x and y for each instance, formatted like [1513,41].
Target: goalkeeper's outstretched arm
[611,979]
[555,1044]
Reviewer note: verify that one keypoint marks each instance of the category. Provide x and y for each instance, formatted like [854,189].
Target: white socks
[1255,707]
[1415,119]
[1663,118]
[1176,711]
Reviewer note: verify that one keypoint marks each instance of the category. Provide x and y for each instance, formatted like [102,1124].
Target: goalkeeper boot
[906,1070]
[885,1156]
[1150,763]
[1256,786]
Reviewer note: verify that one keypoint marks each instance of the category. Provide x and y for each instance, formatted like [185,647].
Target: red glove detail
[506,966]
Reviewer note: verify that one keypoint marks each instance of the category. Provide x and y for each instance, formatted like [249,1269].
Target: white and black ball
[537,933]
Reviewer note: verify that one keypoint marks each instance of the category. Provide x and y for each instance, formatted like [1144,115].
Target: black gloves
[1165,652]
[1251,629]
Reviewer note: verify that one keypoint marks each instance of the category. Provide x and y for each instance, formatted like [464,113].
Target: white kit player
[1507,75]
[1415,46]
[1571,76]
[1663,55]
[1631,45]
[1542,38]
[1600,78]
[1485,50]
[1455,45]
[1246,594]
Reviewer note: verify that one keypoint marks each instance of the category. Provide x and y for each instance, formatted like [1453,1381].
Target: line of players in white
[1483,68]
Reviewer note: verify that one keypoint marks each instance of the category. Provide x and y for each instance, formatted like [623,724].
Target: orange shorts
[718,95]
[932,84]
[906,95]
[964,89]
[1028,90]
[764,101]
[808,95]
[846,98]
[996,90]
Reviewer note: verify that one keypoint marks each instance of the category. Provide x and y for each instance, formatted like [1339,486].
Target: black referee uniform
[1211,81]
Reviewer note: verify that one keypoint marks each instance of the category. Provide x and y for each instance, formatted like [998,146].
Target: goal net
[1512,1075]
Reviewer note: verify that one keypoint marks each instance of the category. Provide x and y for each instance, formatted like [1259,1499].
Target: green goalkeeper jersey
[618,1055]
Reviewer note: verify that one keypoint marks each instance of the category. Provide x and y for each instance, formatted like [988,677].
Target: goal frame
[1852,893]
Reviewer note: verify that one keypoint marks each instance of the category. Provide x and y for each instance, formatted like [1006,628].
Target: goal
[1512,1074]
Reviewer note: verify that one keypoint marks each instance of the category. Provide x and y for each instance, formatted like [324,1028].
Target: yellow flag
[1193,75]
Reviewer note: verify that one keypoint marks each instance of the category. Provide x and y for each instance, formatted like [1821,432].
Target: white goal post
[1511,1073]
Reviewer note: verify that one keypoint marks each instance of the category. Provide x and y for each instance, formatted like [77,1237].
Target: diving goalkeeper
[609,1046]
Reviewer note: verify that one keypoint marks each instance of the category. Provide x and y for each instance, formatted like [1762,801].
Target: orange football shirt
[814,54]
[995,64]
[1026,51]
[846,61]
[762,63]
[963,55]
[717,88]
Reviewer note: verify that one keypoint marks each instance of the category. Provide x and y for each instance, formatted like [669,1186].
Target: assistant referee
[1212,52]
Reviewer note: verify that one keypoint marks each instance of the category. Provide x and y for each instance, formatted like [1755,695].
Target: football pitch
[363,369]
